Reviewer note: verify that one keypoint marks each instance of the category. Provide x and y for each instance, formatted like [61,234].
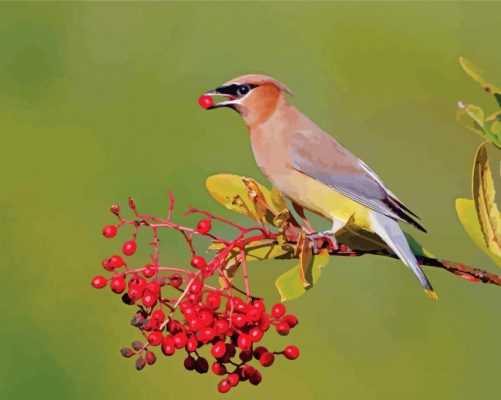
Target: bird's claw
[320,240]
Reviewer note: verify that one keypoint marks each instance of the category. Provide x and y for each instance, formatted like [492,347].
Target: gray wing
[321,157]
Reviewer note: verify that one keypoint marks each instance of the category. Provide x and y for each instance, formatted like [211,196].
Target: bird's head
[254,97]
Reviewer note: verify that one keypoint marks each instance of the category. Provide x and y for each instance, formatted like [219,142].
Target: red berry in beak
[205,101]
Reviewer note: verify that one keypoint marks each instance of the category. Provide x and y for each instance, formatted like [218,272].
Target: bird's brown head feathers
[255,97]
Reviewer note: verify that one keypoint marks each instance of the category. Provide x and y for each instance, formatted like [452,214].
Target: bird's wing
[321,157]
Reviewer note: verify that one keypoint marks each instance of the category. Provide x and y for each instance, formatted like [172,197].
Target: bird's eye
[243,90]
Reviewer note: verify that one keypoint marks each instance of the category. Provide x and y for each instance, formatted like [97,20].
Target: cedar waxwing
[314,170]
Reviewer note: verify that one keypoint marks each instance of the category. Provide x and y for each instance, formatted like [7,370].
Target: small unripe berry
[115,209]
[204,226]
[110,231]
[278,310]
[266,359]
[291,352]
[140,363]
[126,352]
[198,262]
[150,358]
[137,345]
[129,247]
[99,282]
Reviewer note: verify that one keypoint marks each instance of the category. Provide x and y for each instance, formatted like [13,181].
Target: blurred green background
[98,101]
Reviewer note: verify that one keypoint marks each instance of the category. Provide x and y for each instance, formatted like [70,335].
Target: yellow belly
[323,200]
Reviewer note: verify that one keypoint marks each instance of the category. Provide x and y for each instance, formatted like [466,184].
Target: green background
[98,102]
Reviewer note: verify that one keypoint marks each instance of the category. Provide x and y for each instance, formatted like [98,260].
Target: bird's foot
[321,240]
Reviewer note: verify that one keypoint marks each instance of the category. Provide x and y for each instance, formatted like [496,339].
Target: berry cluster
[219,328]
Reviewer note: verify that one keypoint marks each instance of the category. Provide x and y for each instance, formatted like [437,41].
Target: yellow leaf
[277,201]
[484,195]
[477,75]
[232,192]
[467,214]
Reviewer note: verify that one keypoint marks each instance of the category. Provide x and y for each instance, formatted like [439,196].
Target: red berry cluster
[217,328]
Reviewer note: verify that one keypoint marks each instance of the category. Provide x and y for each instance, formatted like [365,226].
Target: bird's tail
[389,230]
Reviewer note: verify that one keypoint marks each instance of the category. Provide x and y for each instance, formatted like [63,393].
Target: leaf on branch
[246,196]
[478,76]
[467,214]
[290,284]
[484,195]
[481,126]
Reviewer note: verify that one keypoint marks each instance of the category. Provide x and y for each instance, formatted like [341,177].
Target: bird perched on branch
[314,170]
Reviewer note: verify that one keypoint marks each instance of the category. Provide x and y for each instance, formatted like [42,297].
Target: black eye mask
[233,89]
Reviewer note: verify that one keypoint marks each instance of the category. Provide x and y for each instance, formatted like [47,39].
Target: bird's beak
[232,101]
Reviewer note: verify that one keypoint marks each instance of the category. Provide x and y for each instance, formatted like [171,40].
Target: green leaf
[467,214]
[290,285]
[481,123]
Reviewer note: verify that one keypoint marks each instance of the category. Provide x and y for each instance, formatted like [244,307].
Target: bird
[315,171]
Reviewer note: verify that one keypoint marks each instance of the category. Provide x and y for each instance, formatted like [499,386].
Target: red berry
[99,282]
[150,358]
[180,340]
[110,231]
[213,300]
[204,226]
[117,284]
[158,315]
[245,356]
[206,335]
[244,342]
[256,334]
[221,327]
[149,298]
[198,262]
[254,314]
[191,344]
[175,280]
[168,347]
[283,329]
[266,359]
[196,286]
[218,368]
[278,310]
[291,352]
[152,287]
[218,350]
[223,386]
[116,261]
[149,271]
[239,320]
[259,305]
[259,351]
[205,101]
[155,338]
[290,320]
[129,247]
[233,379]
[264,323]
